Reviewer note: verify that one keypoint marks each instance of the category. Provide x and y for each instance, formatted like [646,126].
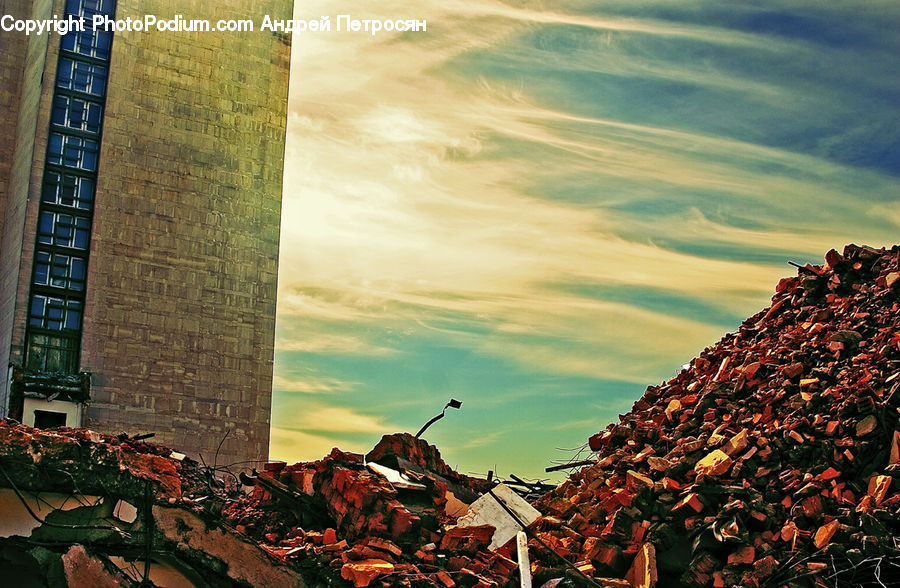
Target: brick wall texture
[22,63]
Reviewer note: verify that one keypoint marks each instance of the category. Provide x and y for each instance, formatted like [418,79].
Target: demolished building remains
[768,461]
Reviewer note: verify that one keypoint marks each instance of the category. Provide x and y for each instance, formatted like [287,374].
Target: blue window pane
[42,268]
[65,230]
[73,74]
[64,73]
[76,113]
[82,233]
[51,312]
[69,42]
[81,76]
[51,186]
[92,43]
[45,228]
[59,112]
[93,117]
[73,318]
[89,8]
[89,160]
[73,152]
[78,270]
[68,190]
[60,271]
[86,192]
[37,311]
[55,147]
[72,155]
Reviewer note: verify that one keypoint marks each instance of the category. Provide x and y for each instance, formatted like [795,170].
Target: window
[73,152]
[76,113]
[91,43]
[81,77]
[68,190]
[49,419]
[88,8]
[64,230]
[59,270]
[51,353]
[55,313]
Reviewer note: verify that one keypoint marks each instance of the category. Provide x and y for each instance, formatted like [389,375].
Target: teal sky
[541,208]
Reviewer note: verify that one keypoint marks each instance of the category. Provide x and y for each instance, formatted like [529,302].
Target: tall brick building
[140,190]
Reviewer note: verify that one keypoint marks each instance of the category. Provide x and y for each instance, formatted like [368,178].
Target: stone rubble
[769,461]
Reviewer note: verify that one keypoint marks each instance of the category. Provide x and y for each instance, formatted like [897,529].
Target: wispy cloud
[308,431]
[309,385]
[331,343]
[336,419]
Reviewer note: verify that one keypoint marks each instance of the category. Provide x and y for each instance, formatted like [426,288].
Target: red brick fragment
[742,555]
[595,442]
[825,533]
[329,536]
[362,573]
[691,501]
[866,426]
[828,474]
[765,567]
[878,488]
[470,538]
[642,573]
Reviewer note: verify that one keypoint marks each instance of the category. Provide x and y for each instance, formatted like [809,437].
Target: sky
[541,208]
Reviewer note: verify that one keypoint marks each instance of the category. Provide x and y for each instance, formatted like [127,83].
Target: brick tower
[140,190]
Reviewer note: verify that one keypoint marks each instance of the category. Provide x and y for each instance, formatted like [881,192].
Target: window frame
[71,164]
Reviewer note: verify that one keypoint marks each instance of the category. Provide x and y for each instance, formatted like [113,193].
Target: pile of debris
[389,516]
[770,461]
[95,509]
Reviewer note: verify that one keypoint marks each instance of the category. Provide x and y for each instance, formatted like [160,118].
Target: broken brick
[692,501]
[715,463]
[878,488]
[745,554]
[362,573]
[467,539]
[642,573]
[825,533]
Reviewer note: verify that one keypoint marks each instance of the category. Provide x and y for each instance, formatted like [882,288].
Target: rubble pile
[385,519]
[36,457]
[769,461]
[772,460]
[358,518]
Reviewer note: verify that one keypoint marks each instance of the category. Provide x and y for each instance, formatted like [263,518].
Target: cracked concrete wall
[201,550]
[79,566]
[240,560]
